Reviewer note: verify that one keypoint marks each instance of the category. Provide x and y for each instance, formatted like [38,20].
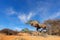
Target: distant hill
[8,32]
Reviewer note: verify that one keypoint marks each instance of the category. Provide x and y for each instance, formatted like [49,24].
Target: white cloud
[18,28]
[29,16]
[2,27]
[44,8]
[25,17]
[22,17]
[55,15]
[10,11]
[15,27]
[42,12]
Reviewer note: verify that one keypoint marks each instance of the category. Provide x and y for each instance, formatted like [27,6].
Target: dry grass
[26,37]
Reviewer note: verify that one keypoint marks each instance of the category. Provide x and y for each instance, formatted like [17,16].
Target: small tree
[25,30]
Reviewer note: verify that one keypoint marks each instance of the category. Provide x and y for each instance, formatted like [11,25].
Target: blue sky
[14,13]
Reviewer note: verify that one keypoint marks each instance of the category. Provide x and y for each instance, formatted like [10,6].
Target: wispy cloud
[26,17]
[18,28]
[45,10]
[22,17]
[2,27]
[10,11]
[29,16]
[55,15]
